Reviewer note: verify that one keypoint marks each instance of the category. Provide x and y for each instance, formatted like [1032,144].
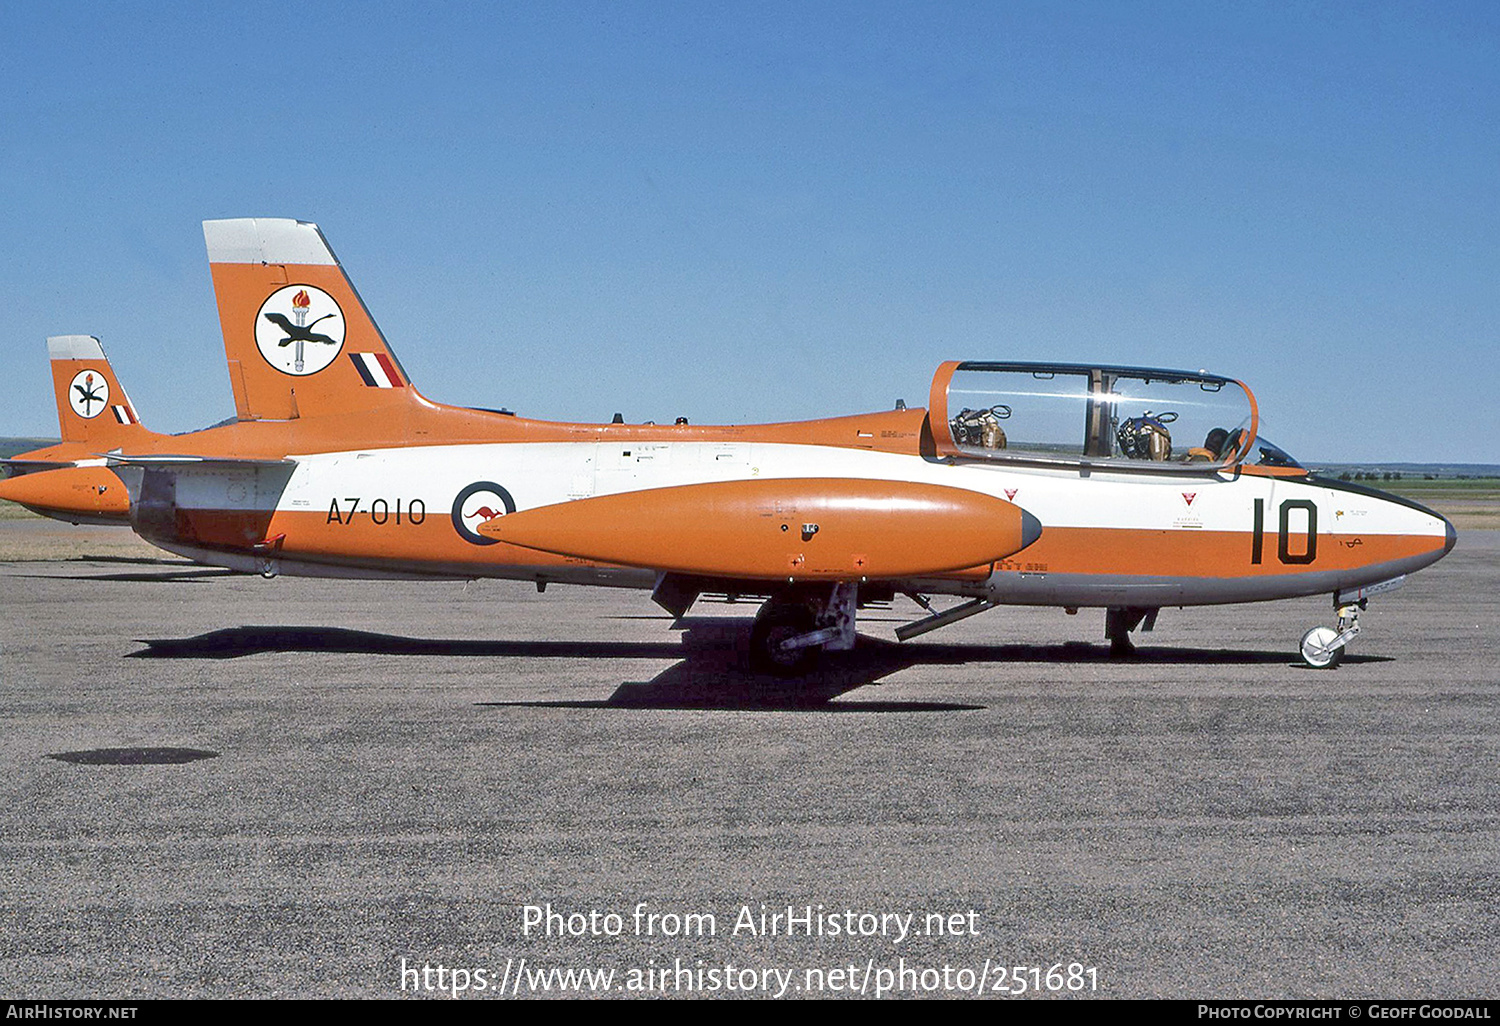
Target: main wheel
[775,623]
[1319,650]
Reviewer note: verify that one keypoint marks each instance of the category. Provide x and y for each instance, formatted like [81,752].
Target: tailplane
[298,338]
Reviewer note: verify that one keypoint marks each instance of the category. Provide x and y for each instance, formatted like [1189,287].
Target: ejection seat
[1146,437]
[981,429]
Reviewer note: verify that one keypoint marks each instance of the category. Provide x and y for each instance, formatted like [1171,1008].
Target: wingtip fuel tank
[791,529]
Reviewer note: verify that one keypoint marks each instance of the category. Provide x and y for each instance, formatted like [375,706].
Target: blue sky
[743,212]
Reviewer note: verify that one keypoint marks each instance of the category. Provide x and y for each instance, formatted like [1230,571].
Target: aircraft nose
[1452,538]
[1031,529]
[83,491]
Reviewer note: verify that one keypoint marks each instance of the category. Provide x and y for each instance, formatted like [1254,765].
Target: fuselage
[402,489]
[1133,538]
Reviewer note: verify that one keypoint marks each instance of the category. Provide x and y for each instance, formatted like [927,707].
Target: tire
[776,622]
[1316,651]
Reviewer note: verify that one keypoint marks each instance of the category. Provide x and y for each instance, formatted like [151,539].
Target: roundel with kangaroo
[480,501]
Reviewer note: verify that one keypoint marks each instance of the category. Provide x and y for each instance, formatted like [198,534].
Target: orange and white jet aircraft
[1037,484]
[69,480]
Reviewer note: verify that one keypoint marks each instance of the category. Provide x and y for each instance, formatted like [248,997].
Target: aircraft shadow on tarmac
[142,577]
[710,671]
[154,571]
[133,756]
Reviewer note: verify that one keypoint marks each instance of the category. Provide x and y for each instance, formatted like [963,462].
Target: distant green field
[12,446]
[1417,488]
[10,511]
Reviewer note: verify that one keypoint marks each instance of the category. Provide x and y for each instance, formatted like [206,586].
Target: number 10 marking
[1283,532]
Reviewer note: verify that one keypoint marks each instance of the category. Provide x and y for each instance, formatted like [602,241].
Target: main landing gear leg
[1323,647]
[1119,621]
[792,629]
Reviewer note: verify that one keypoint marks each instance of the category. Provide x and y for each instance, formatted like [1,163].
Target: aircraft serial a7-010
[1064,485]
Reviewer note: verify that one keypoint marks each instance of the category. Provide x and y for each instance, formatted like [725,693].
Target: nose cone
[1436,530]
[83,493]
[1430,530]
[1031,529]
[1438,536]
[1411,535]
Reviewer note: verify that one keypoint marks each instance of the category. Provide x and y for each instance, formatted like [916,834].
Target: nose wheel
[1323,647]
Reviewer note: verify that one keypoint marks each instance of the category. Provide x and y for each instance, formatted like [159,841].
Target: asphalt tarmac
[219,786]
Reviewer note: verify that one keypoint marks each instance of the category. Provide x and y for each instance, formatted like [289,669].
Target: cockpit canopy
[1073,414]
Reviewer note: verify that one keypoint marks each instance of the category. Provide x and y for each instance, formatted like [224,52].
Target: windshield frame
[1099,376]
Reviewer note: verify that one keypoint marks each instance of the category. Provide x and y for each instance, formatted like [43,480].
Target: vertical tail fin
[92,407]
[298,338]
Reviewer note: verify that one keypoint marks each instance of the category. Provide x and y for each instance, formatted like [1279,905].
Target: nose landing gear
[1323,647]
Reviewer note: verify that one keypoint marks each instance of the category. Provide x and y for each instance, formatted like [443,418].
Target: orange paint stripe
[1116,552]
[1190,553]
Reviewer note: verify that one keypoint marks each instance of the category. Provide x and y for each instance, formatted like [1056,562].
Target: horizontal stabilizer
[166,461]
[19,467]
